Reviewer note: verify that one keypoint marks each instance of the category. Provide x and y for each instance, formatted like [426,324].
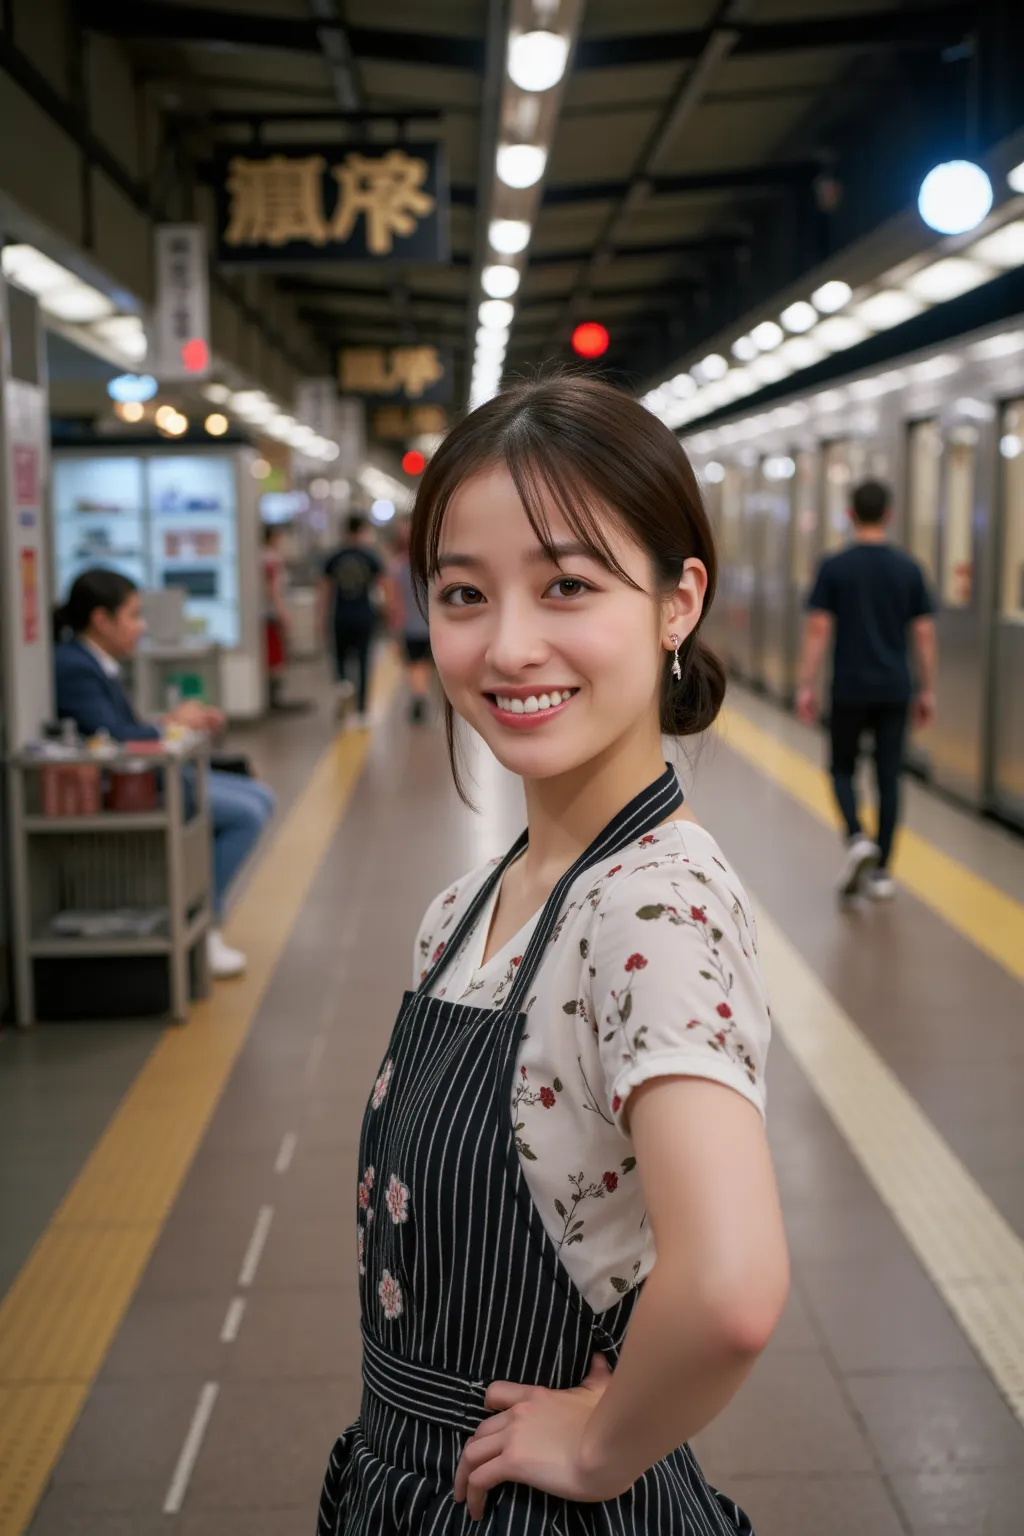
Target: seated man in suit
[102,617]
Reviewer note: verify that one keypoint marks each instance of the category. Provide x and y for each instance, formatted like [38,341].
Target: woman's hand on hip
[535,1438]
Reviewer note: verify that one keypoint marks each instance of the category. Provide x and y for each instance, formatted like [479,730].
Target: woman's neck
[88,637]
[566,813]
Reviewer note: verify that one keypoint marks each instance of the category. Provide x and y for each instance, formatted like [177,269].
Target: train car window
[805,520]
[958,550]
[845,463]
[1011,447]
[924,487]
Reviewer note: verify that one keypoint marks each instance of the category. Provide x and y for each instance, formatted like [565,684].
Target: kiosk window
[1011,447]
[923,492]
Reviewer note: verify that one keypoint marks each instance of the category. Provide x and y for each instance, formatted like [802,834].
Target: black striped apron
[460,1284]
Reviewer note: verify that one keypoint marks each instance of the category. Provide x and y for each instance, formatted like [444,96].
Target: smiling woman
[579,1254]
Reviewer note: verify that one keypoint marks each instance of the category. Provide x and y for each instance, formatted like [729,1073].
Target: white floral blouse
[651,971]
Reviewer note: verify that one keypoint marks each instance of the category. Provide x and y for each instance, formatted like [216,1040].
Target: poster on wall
[284,205]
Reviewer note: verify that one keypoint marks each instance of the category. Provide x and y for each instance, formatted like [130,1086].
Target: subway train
[945,428]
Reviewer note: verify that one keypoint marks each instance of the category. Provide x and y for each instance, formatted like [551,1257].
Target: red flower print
[380,1087]
[364,1196]
[397,1200]
[698,914]
[635,963]
[614,869]
[724,1011]
[616,1104]
[720,1036]
[645,842]
[610,1182]
[390,1293]
[523,1071]
[438,952]
[517,959]
[547,1098]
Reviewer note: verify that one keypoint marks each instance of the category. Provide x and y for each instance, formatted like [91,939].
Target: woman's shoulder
[678,855]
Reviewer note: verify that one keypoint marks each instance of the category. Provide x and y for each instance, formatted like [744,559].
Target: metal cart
[153,864]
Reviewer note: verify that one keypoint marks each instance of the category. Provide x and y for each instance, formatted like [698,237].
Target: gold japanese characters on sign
[396,422]
[280,199]
[409,371]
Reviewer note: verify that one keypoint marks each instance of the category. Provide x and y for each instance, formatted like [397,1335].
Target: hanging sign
[397,423]
[288,204]
[397,373]
[180,341]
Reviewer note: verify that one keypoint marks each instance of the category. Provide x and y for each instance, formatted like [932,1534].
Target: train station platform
[179,1331]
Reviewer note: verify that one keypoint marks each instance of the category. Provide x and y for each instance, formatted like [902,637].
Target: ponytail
[96,588]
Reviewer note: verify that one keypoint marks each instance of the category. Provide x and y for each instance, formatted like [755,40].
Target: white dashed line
[254,1252]
[190,1450]
[284,1157]
[233,1321]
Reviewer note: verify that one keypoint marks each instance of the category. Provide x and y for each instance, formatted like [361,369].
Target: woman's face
[119,632]
[551,664]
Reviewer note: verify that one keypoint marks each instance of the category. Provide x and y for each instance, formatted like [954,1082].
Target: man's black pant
[887,724]
[354,640]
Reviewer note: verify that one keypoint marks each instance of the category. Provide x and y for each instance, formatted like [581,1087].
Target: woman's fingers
[599,1372]
[475,1453]
[481,1481]
[505,1394]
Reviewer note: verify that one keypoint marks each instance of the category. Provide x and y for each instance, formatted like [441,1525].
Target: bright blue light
[955,197]
[132,386]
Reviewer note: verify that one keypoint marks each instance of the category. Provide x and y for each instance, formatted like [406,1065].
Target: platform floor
[178,1339]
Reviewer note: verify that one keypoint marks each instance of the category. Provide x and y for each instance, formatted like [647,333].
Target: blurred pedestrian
[868,600]
[408,622]
[350,597]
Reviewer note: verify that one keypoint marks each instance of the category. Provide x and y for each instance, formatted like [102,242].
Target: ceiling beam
[935,26]
[739,178]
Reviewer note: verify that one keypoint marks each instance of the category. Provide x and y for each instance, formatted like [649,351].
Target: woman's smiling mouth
[522,711]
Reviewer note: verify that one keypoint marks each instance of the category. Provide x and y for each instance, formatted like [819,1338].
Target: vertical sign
[29,595]
[181,318]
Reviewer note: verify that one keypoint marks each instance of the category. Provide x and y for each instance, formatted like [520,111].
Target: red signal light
[195,355]
[590,339]
[413,462]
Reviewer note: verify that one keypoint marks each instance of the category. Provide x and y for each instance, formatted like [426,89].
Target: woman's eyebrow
[536,556]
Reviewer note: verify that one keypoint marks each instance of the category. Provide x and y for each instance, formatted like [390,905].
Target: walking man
[873,602]
[348,609]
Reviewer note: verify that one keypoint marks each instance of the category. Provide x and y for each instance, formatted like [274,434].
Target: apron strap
[644,812]
[469,917]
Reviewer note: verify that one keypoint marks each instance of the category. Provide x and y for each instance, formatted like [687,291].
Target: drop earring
[677,670]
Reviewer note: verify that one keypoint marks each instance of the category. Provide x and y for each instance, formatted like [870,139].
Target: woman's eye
[462,597]
[569,586]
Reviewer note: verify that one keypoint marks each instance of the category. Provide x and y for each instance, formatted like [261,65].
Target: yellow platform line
[63,1311]
[990,919]
[970,1252]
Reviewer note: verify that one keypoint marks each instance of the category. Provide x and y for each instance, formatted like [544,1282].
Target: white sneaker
[344,692]
[223,961]
[861,856]
[880,885]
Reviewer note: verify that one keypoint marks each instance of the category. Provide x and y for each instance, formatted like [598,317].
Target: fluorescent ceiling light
[499,282]
[682,386]
[537,60]
[769,370]
[742,382]
[947,279]
[744,349]
[778,466]
[801,352]
[880,384]
[1004,248]
[993,347]
[126,333]
[799,316]
[766,336]
[831,296]
[935,368]
[219,394]
[713,472]
[829,400]
[491,340]
[1016,177]
[1011,446]
[76,303]
[521,165]
[496,314]
[714,366]
[840,332]
[890,307]
[509,236]
[955,197]
[59,292]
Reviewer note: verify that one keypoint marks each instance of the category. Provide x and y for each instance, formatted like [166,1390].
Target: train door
[956,740]
[1007,694]
[748,638]
[804,552]
[714,624]
[734,642]
[921,526]
[773,572]
[844,463]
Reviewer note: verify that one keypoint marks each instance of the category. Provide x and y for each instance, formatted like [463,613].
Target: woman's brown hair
[591,448]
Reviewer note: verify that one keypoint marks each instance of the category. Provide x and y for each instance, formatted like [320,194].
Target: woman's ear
[683,608]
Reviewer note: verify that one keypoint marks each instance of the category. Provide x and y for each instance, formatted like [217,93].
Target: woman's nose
[517,640]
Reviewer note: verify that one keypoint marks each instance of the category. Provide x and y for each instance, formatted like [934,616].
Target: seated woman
[103,615]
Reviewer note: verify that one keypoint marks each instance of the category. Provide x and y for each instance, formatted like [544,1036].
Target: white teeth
[534,703]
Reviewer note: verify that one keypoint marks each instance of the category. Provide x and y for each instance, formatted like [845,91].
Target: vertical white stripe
[232,1320]
[254,1252]
[190,1450]
[287,1151]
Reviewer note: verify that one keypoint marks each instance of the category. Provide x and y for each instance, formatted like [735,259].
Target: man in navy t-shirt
[873,600]
[349,601]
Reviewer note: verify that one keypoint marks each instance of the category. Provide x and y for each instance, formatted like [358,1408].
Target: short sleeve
[823,594]
[921,603]
[676,989]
